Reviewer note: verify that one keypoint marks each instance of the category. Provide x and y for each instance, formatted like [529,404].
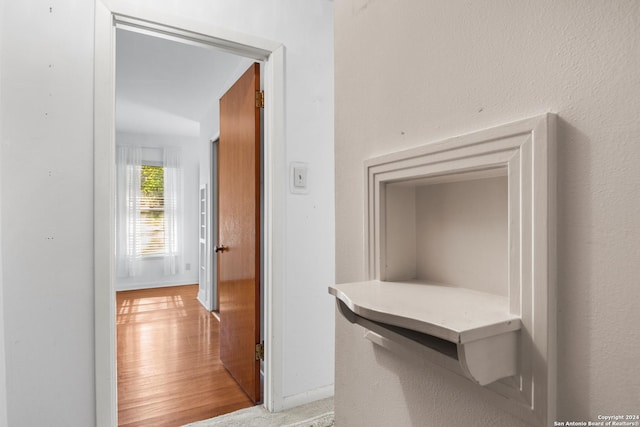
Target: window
[148,209]
[151,233]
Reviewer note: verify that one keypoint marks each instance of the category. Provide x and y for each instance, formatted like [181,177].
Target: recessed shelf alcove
[460,261]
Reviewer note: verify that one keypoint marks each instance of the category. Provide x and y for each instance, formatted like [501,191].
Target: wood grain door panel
[239,231]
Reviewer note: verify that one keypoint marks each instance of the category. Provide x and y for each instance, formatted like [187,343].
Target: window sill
[152,256]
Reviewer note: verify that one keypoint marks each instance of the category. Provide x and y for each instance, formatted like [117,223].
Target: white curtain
[128,166]
[172,211]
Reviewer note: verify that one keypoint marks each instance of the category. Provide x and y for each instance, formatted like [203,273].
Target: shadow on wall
[435,396]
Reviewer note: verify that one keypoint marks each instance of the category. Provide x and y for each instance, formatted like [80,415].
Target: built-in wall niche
[460,261]
[450,229]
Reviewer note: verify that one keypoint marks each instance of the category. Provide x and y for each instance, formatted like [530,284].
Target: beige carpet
[315,414]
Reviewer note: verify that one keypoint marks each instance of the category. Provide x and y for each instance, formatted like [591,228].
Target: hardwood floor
[169,369]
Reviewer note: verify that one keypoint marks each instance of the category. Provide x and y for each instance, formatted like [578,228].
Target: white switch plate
[300,177]
[298,173]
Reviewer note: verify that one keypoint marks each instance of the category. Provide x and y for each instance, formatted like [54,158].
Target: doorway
[169,99]
[121,15]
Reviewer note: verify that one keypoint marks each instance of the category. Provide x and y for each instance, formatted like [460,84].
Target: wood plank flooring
[169,369]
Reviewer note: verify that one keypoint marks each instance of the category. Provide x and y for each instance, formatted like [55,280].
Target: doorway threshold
[317,414]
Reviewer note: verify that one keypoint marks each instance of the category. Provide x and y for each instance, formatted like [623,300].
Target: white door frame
[121,13]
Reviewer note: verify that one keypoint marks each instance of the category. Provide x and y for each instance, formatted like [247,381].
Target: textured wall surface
[412,72]
[3,381]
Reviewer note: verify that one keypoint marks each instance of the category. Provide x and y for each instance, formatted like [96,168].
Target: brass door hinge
[260,99]
[260,351]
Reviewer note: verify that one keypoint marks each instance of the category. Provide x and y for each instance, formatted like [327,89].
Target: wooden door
[238,246]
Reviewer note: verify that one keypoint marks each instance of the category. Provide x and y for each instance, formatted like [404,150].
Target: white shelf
[457,315]
[480,335]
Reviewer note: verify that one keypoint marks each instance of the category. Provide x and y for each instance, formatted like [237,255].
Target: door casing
[110,14]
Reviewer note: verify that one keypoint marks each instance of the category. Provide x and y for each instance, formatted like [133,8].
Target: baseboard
[151,285]
[202,301]
[294,400]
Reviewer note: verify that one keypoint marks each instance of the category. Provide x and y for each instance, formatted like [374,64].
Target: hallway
[169,371]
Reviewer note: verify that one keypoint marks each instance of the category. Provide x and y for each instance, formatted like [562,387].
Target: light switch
[300,177]
[298,173]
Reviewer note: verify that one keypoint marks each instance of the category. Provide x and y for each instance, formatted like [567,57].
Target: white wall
[454,233]
[463,234]
[440,69]
[47,197]
[3,373]
[152,269]
[47,214]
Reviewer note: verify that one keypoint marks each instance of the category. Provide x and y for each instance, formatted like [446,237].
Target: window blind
[150,232]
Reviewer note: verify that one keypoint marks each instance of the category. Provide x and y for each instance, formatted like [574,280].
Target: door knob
[220,248]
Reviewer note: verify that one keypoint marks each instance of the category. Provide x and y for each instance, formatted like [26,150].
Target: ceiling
[164,87]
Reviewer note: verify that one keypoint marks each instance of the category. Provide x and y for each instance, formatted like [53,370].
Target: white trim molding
[524,152]
[112,14]
[299,399]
